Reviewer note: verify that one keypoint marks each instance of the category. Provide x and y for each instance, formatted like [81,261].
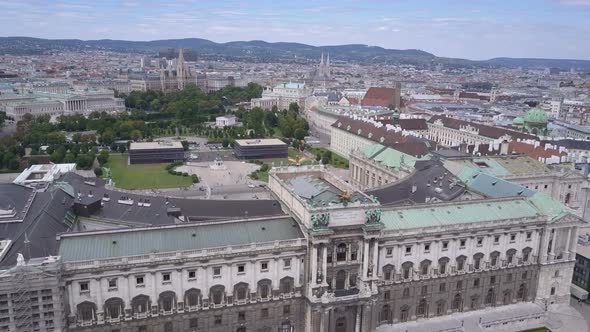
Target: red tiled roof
[534,152]
[484,130]
[411,145]
[352,100]
[409,124]
[378,97]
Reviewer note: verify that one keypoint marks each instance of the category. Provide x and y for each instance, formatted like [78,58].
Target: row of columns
[75,105]
[363,319]
[548,253]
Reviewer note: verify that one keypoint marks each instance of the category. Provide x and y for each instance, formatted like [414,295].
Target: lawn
[146,176]
[337,160]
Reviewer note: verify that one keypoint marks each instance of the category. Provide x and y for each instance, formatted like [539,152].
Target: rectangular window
[445,245]
[524,275]
[496,239]
[194,323]
[427,247]
[476,282]
[462,243]
[389,252]
[166,277]
[287,263]
[442,287]
[408,250]
[264,266]
[241,316]
[492,280]
[459,284]
[264,313]
[217,271]
[139,281]
[217,319]
[480,241]
[424,290]
[386,295]
[84,286]
[509,277]
[112,283]
[286,310]
[529,236]
[512,238]
[192,275]
[241,268]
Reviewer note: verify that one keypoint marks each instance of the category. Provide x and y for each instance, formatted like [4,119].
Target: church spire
[322,60]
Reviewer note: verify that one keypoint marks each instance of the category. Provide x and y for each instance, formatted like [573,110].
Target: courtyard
[143,176]
[226,173]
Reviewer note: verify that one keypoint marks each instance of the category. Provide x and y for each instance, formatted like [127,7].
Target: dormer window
[370,135]
[339,124]
[382,139]
[359,131]
[348,127]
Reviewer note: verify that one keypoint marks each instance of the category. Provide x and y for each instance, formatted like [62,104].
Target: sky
[472,29]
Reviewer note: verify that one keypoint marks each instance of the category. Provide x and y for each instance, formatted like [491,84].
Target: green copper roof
[536,115]
[131,242]
[389,157]
[549,206]
[518,121]
[464,213]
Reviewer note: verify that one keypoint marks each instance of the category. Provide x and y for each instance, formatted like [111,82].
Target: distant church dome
[518,122]
[535,115]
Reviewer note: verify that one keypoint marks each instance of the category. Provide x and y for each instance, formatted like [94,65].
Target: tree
[98,171]
[225,142]
[2,119]
[122,148]
[107,137]
[294,107]
[103,157]
[300,134]
[136,135]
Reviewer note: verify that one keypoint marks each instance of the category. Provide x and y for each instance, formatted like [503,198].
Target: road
[583,308]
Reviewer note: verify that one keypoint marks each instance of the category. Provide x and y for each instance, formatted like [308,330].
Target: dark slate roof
[411,145]
[157,213]
[428,176]
[44,219]
[484,130]
[413,124]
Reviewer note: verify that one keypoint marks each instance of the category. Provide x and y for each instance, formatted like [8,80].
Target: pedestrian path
[515,317]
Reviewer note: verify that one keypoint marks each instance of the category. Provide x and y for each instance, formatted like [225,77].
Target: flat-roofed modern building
[155,152]
[260,148]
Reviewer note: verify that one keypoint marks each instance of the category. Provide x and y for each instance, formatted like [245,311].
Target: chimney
[504,147]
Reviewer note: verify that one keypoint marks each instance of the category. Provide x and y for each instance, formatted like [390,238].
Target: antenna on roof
[27,247]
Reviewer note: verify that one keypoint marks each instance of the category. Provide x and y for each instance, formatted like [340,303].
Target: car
[251,186]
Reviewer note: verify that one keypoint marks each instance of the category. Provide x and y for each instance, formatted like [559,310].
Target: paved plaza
[225,174]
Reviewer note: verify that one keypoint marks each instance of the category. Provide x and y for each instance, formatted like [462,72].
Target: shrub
[98,171]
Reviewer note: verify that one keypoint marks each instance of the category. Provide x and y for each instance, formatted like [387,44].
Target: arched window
[113,308]
[425,267]
[421,308]
[457,303]
[510,256]
[264,288]
[507,297]
[404,313]
[86,311]
[474,302]
[217,294]
[490,297]
[192,297]
[461,263]
[522,292]
[494,258]
[442,265]
[140,304]
[286,326]
[241,329]
[286,285]
[526,253]
[440,308]
[241,291]
[388,271]
[385,313]
[167,301]
[407,270]
[477,259]
[341,252]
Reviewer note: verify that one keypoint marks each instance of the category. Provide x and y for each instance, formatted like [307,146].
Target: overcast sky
[473,29]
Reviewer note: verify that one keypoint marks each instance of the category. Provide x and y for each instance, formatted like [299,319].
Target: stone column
[99,303]
[314,266]
[365,259]
[553,245]
[573,242]
[544,244]
[357,323]
[297,262]
[325,264]
[73,309]
[567,241]
[323,320]
[276,266]
[375,257]
[366,325]
[230,287]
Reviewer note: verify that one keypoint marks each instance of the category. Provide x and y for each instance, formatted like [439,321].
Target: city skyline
[472,30]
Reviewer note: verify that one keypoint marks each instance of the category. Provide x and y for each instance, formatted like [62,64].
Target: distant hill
[261,51]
